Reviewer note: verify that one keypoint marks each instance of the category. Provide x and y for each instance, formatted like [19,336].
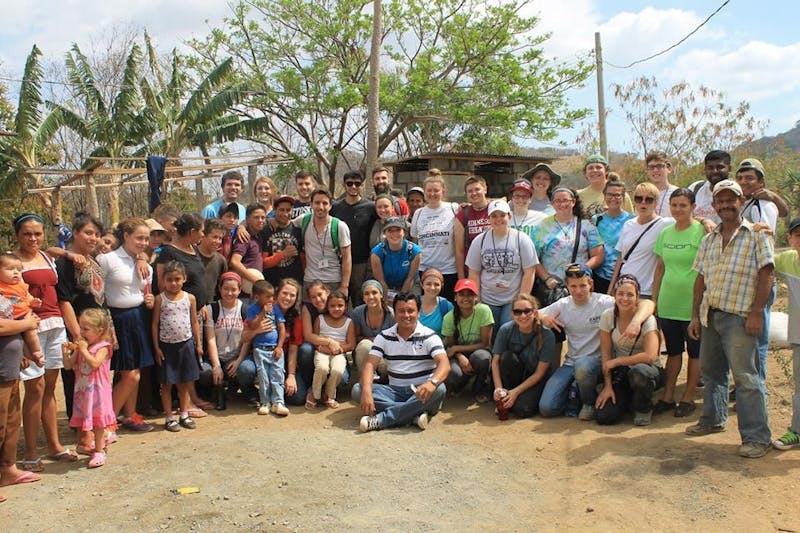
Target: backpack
[216,309]
[696,186]
[334,233]
[409,250]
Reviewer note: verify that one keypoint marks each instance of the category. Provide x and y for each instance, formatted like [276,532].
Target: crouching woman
[631,369]
[523,358]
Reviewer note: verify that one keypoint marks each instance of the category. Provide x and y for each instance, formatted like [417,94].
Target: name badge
[502,284]
[323,263]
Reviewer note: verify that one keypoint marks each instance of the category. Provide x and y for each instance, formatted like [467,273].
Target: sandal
[64,456]
[662,407]
[32,465]
[685,409]
[197,412]
[333,404]
[311,403]
[202,404]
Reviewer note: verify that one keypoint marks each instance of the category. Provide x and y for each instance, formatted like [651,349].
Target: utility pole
[373,102]
[601,100]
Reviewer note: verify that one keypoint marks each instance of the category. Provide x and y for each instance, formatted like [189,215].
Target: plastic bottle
[502,412]
[573,400]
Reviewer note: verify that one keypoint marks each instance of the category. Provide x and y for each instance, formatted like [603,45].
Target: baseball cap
[751,163]
[522,185]
[577,270]
[728,185]
[499,205]
[394,222]
[154,225]
[284,198]
[555,177]
[794,224]
[415,189]
[595,158]
[466,284]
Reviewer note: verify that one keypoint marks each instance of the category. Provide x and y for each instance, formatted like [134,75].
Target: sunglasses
[575,271]
[352,184]
[646,199]
[627,278]
[518,312]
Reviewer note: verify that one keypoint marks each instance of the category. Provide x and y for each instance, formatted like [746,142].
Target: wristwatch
[435,382]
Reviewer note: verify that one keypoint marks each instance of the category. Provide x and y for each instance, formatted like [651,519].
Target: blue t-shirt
[268,338]
[609,229]
[396,264]
[212,210]
[434,319]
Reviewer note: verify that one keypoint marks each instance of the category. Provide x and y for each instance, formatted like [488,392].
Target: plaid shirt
[731,272]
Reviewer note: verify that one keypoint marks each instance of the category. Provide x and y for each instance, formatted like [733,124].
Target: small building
[498,170]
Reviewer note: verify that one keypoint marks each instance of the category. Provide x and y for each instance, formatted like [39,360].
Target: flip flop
[65,456]
[197,413]
[2,498]
[202,404]
[311,403]
[331,403]
[25,477]
[32,465]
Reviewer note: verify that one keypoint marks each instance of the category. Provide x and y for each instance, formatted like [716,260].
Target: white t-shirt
[761,211]
[662,202]
[526,222]
[581,324]
[702,202]
[322,264]
[124,287]
[642,262]
[501,261]
[433,230]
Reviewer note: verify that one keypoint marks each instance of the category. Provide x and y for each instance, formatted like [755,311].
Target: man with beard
[304,183]
[280,241]
[716,166]
[734,266]
[359,215]
[382,184]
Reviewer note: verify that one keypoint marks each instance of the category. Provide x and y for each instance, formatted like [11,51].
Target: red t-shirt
[477,223]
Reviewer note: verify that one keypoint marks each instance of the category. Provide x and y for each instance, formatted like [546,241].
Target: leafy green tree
[457,74]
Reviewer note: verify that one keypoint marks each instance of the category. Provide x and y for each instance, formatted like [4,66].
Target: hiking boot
[789,440]
[280,409]
[753,450]
[135,422]
[188,423]
[642,419]
[698,430]
[421,421]
[369,423]
[587,412]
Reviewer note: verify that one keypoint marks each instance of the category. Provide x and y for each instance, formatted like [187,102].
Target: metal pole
[601,101]
[373,99]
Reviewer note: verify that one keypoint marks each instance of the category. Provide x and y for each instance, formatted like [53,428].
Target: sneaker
[789,440]
[252,401]
[587,412]
[642,419]
[135,422]
[698,430]
[188,423]
[98,459]
[280,409]
[753,450]
[369,423]
[172,425]
[422,421]
[263,410]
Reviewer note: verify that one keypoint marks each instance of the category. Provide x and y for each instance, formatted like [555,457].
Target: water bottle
[502,412]
[573,400]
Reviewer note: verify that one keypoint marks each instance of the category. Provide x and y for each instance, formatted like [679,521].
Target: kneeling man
[417,364]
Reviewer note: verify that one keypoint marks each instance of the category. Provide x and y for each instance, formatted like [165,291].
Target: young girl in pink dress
[90,357]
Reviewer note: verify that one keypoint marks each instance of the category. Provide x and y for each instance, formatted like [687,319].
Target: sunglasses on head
[646,199]
[526,311]
[575,271]
[627,278]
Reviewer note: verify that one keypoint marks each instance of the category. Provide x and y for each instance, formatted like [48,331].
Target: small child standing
[16,291]
[178,345]
[330,360]
[787,266]
[268,349]
[90,357]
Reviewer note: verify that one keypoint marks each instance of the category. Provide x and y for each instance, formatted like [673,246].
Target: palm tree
[31,143]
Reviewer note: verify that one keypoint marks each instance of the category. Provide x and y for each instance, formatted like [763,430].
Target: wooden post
[56,215]
[113,200]
[247,193]
[91,195]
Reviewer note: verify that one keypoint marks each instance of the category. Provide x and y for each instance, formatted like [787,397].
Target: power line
[648,58]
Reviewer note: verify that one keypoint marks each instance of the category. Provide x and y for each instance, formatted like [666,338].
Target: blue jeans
[397,406]
[501,315]
[763,339]
[724,346]
[246,375]
[304,374]
[271,374]
[586,372]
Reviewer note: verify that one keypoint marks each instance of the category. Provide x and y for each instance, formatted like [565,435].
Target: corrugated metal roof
[473,156]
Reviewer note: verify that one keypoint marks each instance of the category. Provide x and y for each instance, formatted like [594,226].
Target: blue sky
[750,50]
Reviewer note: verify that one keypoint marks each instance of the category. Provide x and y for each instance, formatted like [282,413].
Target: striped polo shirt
[410,361]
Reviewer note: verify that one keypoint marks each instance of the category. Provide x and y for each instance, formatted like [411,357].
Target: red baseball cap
[466,284]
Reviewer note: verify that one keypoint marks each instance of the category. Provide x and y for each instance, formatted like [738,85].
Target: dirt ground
[467,472]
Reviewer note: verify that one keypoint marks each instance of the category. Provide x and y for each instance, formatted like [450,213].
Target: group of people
[407,298]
